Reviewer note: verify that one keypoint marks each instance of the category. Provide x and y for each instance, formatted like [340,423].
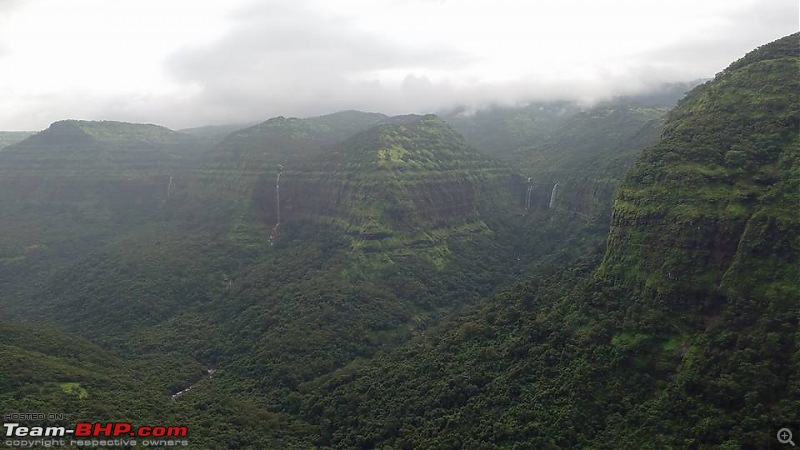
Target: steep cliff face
[589,153]
[234,167]
[718,188]
[685,335]
[409,175]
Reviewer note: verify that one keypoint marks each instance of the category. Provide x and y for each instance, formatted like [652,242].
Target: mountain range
[549,276]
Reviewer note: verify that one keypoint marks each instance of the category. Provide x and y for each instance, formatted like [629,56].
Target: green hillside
[685,336]
[245,159]
[381,236]
[363,281]
[281,140]
[118,165]
[76,186]
[603,141]
[411,175]
[111,148]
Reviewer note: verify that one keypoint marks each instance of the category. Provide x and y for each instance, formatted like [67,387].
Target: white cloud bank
[186,63]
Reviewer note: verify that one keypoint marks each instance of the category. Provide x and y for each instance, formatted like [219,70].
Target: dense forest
[548,276]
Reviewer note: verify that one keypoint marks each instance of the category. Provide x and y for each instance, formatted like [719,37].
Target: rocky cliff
[391,182]
[719,191]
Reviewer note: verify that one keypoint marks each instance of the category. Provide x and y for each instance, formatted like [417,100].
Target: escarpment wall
[719,192]
[430,200]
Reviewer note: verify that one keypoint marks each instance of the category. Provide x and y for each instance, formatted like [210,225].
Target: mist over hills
[12,137]
[357,280]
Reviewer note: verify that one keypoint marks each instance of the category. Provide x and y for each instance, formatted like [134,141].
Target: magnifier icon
[785,436]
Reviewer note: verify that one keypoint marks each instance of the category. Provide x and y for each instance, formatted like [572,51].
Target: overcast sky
[184,63]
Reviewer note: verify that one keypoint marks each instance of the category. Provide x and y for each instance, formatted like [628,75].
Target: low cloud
[283,58]
[740,31]
[306,58]
[7,7]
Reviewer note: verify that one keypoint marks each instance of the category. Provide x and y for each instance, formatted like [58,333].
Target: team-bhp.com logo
[97,429]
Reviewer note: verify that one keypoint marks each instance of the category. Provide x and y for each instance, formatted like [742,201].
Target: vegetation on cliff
[379,310]
[686,334]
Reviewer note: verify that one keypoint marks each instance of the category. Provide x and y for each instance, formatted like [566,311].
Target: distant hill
[95,172]
[113,148]
[500,132]
[407,174]
[374,177]
[586,150]
[75,186]
[12,137]
[214,133]
[234,166]
[589,154]
[283,139]
[508,132]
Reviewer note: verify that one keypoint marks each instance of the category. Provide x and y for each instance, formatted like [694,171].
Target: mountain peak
[84,132]
[98,147]
[409,142]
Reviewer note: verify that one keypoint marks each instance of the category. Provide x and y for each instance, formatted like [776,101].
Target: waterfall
[274,234]
[169,186]
[278,198]
[553,196]
[528,196]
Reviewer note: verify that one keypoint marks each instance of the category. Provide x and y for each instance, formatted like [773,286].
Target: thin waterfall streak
[278,198]
[274,234]
[169,186]
[553,196]
[528,196]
